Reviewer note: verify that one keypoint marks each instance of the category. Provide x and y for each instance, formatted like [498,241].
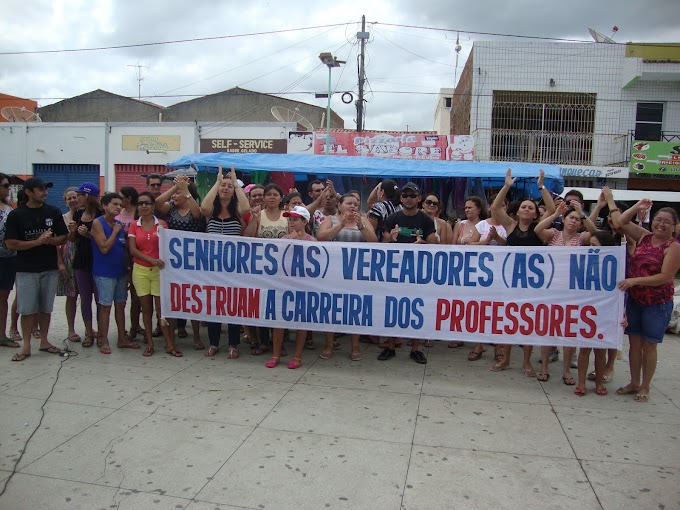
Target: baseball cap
[298,211]
[412,186]
[89,188]
[34,182]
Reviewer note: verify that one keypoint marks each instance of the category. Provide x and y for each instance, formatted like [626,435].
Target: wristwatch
[542,188]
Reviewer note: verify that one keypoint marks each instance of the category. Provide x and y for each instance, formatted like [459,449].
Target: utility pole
[362,36]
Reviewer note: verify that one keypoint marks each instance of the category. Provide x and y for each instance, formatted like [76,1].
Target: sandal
[175,353]
[641,397]
[75,337]
[474,356]
[105,349]
[326,354]
[529,372]
[273,362]
[89,341]
[295,363]
[356,356]
[429,343]
[601,391]
[454,345]
[579,391]
[198,346]
[15,335]
[212,350]
[498,353]
[591,376]
[337,346]
[232,353]
[6,342]
[20,356]
[36,333]
[543,377]
[182,333]
[569,381]
[148,352]
[258,349]
[498,367]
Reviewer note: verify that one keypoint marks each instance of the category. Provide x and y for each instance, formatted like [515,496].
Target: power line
[178,41]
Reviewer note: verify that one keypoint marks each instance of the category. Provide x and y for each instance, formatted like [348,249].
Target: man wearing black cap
[34,230]
[409,225]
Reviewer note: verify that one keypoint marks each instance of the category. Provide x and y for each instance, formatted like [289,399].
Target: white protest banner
[515,295]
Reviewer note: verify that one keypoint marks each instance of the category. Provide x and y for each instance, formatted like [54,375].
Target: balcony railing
[541,147]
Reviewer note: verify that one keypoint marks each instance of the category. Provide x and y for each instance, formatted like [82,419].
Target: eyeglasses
[144,202]
[430,202]
[663,222]
[409,195]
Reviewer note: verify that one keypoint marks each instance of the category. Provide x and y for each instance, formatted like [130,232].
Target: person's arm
[134,251]
[182,183]
[162,204]
[253,223]
[586,221]
[328,231]
[669,268]
[100,238]
[207,206]
[543,230]
[445,232]
[366,230]
[497,209]
[476,237]
[545,194]
[243,202]
[601,203]
[431,239]
[316,204]
[373,197]
[456,232]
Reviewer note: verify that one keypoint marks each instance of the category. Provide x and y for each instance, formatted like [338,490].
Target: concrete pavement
[128,432]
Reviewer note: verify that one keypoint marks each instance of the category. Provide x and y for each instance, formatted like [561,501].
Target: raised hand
[394,233]
[645,203]
[540,182]
[220,177]
[509,179]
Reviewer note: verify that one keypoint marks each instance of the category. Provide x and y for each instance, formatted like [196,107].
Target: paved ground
[124,431]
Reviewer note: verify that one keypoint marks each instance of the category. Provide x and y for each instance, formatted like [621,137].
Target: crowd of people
[105,249]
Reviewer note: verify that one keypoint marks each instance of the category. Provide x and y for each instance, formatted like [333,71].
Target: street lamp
[329,60]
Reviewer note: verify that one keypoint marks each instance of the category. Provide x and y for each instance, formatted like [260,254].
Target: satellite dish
[285,115]
[601,38]
[19,114]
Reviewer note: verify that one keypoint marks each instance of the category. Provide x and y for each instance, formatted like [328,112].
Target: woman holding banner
[348,226]
[651,270]
[521,232]
[571,235]
[223,209]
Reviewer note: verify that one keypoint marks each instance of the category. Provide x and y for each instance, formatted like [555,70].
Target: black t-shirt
[410,226]
[26,224]
[83,258]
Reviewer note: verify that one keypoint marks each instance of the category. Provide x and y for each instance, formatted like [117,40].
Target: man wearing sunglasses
[410,225]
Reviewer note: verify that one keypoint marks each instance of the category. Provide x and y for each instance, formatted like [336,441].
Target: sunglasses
[409,195]
[144,202]
[430,202]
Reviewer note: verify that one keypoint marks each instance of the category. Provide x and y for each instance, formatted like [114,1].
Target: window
[648,121]
[542,127]
[447,102]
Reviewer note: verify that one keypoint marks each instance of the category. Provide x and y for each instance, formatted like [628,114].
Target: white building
[572,104]
[442,113]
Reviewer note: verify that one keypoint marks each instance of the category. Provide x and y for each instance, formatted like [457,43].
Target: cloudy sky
[405,66]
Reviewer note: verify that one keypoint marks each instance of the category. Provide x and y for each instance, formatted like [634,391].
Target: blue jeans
[214,330]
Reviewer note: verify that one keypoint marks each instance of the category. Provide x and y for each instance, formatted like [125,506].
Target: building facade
[576,105]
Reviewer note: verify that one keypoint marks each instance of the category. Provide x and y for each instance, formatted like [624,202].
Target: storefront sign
[662,158]
[595,172]
[397,145]
[151,142]
[245,145]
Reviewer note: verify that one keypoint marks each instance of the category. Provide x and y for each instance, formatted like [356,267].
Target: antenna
[601,38]
[285,115]
[19,114]
[139,78]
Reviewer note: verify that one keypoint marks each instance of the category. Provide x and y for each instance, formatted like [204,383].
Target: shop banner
[536,296]
[396,145]
[661,158]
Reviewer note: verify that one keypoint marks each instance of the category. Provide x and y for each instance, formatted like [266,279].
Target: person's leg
[196,330]
[234,335]
[119,314]
[635,362]
[300,341]
[44,325]
[4,308]
[600,364]
[83,280]
[14,320]
[277,341]
[609,368]
[567,379]
[182,328]
[544,374]
[28,322]
[327,352]
[104,318]
[504,360]
[146,303]
[47,290]
[214,332]
[135,311]
[527,367]
[168,331]
[70,311]
[583,360]
[649,358]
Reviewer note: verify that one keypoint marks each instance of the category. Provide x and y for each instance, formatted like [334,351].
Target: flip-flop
[182,333]
[211,351]
[20,356]
[148,352]
[625,391]
[581,392]
[601,391]
[129,346]
[51,349]
[105,349]
[6,342]
[75,337]
[543,377]
[569,381]
[455,345]
[529,372]
[356,356]
[232,353]
[175,353]
[641,397]
[474,356]
[198,346]
[497,367]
